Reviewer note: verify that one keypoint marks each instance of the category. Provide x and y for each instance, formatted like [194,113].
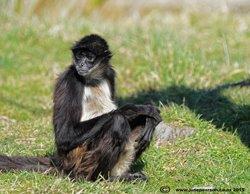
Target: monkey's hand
[131,111]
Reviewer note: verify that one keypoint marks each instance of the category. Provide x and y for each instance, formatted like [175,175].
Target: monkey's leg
[104,150]
[142,123]
[121,169]
[139,140]
[143,120]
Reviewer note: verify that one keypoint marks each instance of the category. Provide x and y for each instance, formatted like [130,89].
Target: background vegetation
[181,59]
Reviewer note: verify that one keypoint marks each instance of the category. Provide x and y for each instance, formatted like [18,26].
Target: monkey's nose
[82,64]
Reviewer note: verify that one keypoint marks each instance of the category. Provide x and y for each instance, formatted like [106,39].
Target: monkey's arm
[69,132]
[68,136]
[88,130]
[131,112]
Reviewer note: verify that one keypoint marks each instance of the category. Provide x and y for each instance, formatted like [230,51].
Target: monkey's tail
[22,163]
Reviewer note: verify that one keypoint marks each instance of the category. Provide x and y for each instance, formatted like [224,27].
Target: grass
[177,62]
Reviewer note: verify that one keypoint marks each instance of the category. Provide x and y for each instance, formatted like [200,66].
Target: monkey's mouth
[82,71]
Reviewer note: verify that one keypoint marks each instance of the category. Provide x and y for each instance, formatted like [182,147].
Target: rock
[166,132]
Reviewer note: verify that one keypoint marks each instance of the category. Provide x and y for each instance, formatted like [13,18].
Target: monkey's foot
[138,176]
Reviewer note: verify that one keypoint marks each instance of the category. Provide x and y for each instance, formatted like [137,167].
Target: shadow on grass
[37,111]
[209,103]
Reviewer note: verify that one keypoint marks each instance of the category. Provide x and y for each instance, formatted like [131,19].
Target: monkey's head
[91,56]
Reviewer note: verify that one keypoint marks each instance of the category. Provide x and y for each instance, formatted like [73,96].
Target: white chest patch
[96,101]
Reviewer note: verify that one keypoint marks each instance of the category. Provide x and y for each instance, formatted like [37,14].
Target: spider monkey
[92,135]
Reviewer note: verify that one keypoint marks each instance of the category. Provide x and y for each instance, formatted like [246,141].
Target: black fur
[101,140]
[95,44]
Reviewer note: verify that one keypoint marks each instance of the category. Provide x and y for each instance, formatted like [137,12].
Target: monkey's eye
[90,57]
[79,54]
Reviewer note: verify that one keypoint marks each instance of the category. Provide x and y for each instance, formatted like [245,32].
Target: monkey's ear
[108,54]
[75,47]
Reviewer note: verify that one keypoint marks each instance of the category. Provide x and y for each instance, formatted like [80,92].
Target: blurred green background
[182,55]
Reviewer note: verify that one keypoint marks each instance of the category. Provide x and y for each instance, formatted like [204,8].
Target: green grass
[174,63]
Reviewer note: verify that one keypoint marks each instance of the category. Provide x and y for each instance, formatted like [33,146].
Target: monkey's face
[84,61]
[91,56]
